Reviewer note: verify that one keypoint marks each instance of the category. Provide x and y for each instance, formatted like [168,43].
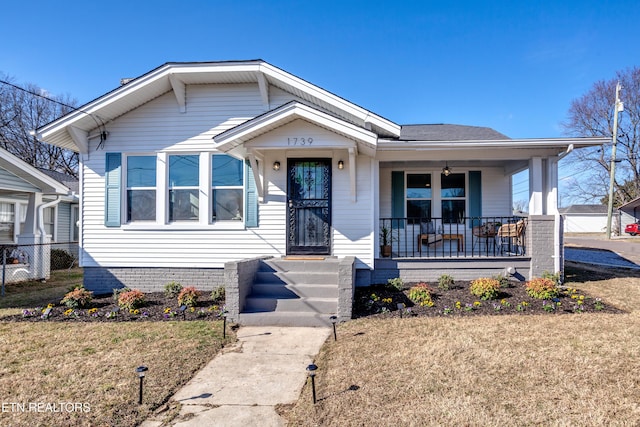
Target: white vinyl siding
[158,126]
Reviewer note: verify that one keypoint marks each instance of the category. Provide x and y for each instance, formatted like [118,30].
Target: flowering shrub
[188,296]
[542,288]
[218,294]
[485,288]
[118,291]
[131,300]
[172,289]
[396,283]
[421,294]
[445,282]
[79,297]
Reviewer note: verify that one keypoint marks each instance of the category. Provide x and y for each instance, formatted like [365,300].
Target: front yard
[75,373]
[528,370]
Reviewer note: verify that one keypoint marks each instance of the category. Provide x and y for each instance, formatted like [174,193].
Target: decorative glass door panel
[309,206]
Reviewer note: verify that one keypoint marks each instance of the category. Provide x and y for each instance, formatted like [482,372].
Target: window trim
[126,188]
[213,188]
[465,199]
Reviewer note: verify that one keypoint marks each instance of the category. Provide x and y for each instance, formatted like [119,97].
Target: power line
[100,126]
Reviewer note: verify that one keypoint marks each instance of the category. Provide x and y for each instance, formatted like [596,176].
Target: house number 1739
[299,141]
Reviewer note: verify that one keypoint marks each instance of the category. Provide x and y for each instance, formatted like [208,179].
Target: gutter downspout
[41,209]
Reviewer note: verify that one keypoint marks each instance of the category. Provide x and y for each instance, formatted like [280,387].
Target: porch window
[453,197]
[7,221]
[141,188]
[184,187]
[226,188]
[418,196]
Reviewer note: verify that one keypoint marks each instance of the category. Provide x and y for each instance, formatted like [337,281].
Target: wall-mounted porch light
[446,171]
[276,165]
[340,164]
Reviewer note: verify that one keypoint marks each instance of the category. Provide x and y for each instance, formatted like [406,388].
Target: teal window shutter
[475,196]
[251,219]
[112,197]
[397,197]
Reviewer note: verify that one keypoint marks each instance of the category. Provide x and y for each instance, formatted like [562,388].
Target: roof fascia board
[391,145]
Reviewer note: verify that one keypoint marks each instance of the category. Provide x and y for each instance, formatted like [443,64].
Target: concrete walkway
[241,386]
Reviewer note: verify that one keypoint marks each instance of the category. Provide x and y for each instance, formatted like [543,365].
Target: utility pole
[619,106]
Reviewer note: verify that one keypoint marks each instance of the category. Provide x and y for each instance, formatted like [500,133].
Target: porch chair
[485,233]
[511,237]
[428,235]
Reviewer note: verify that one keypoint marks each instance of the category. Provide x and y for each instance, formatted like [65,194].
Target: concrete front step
[275,290]
[297,277]
[285,318]
[312,305]
[329,265]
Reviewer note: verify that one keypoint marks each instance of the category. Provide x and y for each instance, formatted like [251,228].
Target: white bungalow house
[35,210]
[218,173]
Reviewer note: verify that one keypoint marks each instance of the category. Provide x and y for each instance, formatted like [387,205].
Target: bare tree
[23,109]
[592,115]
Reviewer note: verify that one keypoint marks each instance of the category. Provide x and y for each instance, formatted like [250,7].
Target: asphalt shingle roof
[584,209]
[448,132]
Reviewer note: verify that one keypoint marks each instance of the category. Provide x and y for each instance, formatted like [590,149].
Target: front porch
[466,237]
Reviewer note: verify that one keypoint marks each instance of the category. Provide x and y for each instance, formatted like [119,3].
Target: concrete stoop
[293,293]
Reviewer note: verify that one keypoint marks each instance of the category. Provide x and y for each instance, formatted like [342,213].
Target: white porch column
[31,222]
[536,186]
[551,190]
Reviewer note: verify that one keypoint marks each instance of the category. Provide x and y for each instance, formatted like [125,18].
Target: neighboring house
[30,209]
[195,166]
[585,218]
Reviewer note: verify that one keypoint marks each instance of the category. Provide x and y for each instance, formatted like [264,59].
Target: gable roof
[287,113]
[72,130]
[449,132]
[28,173]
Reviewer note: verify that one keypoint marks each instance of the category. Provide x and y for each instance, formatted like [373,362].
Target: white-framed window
[7,221]
[418,196]
[49,221]
[453,198]
[227,180]
[141,188]
[75,223]
[184,187]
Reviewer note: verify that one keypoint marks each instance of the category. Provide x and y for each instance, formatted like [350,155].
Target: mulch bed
[383,301]
[105,309]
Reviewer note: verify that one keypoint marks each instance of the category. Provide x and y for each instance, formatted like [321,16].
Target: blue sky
[514,66]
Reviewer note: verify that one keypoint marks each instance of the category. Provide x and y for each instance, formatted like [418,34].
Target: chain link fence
[36,261]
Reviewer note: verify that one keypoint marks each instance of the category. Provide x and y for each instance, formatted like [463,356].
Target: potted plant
[385,242]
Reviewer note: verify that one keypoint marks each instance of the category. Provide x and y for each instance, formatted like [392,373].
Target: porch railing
[468,237]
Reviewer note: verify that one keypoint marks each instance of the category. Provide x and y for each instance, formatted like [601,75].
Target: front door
[309,206]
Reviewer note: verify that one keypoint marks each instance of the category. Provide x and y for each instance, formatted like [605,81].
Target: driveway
[597,249]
